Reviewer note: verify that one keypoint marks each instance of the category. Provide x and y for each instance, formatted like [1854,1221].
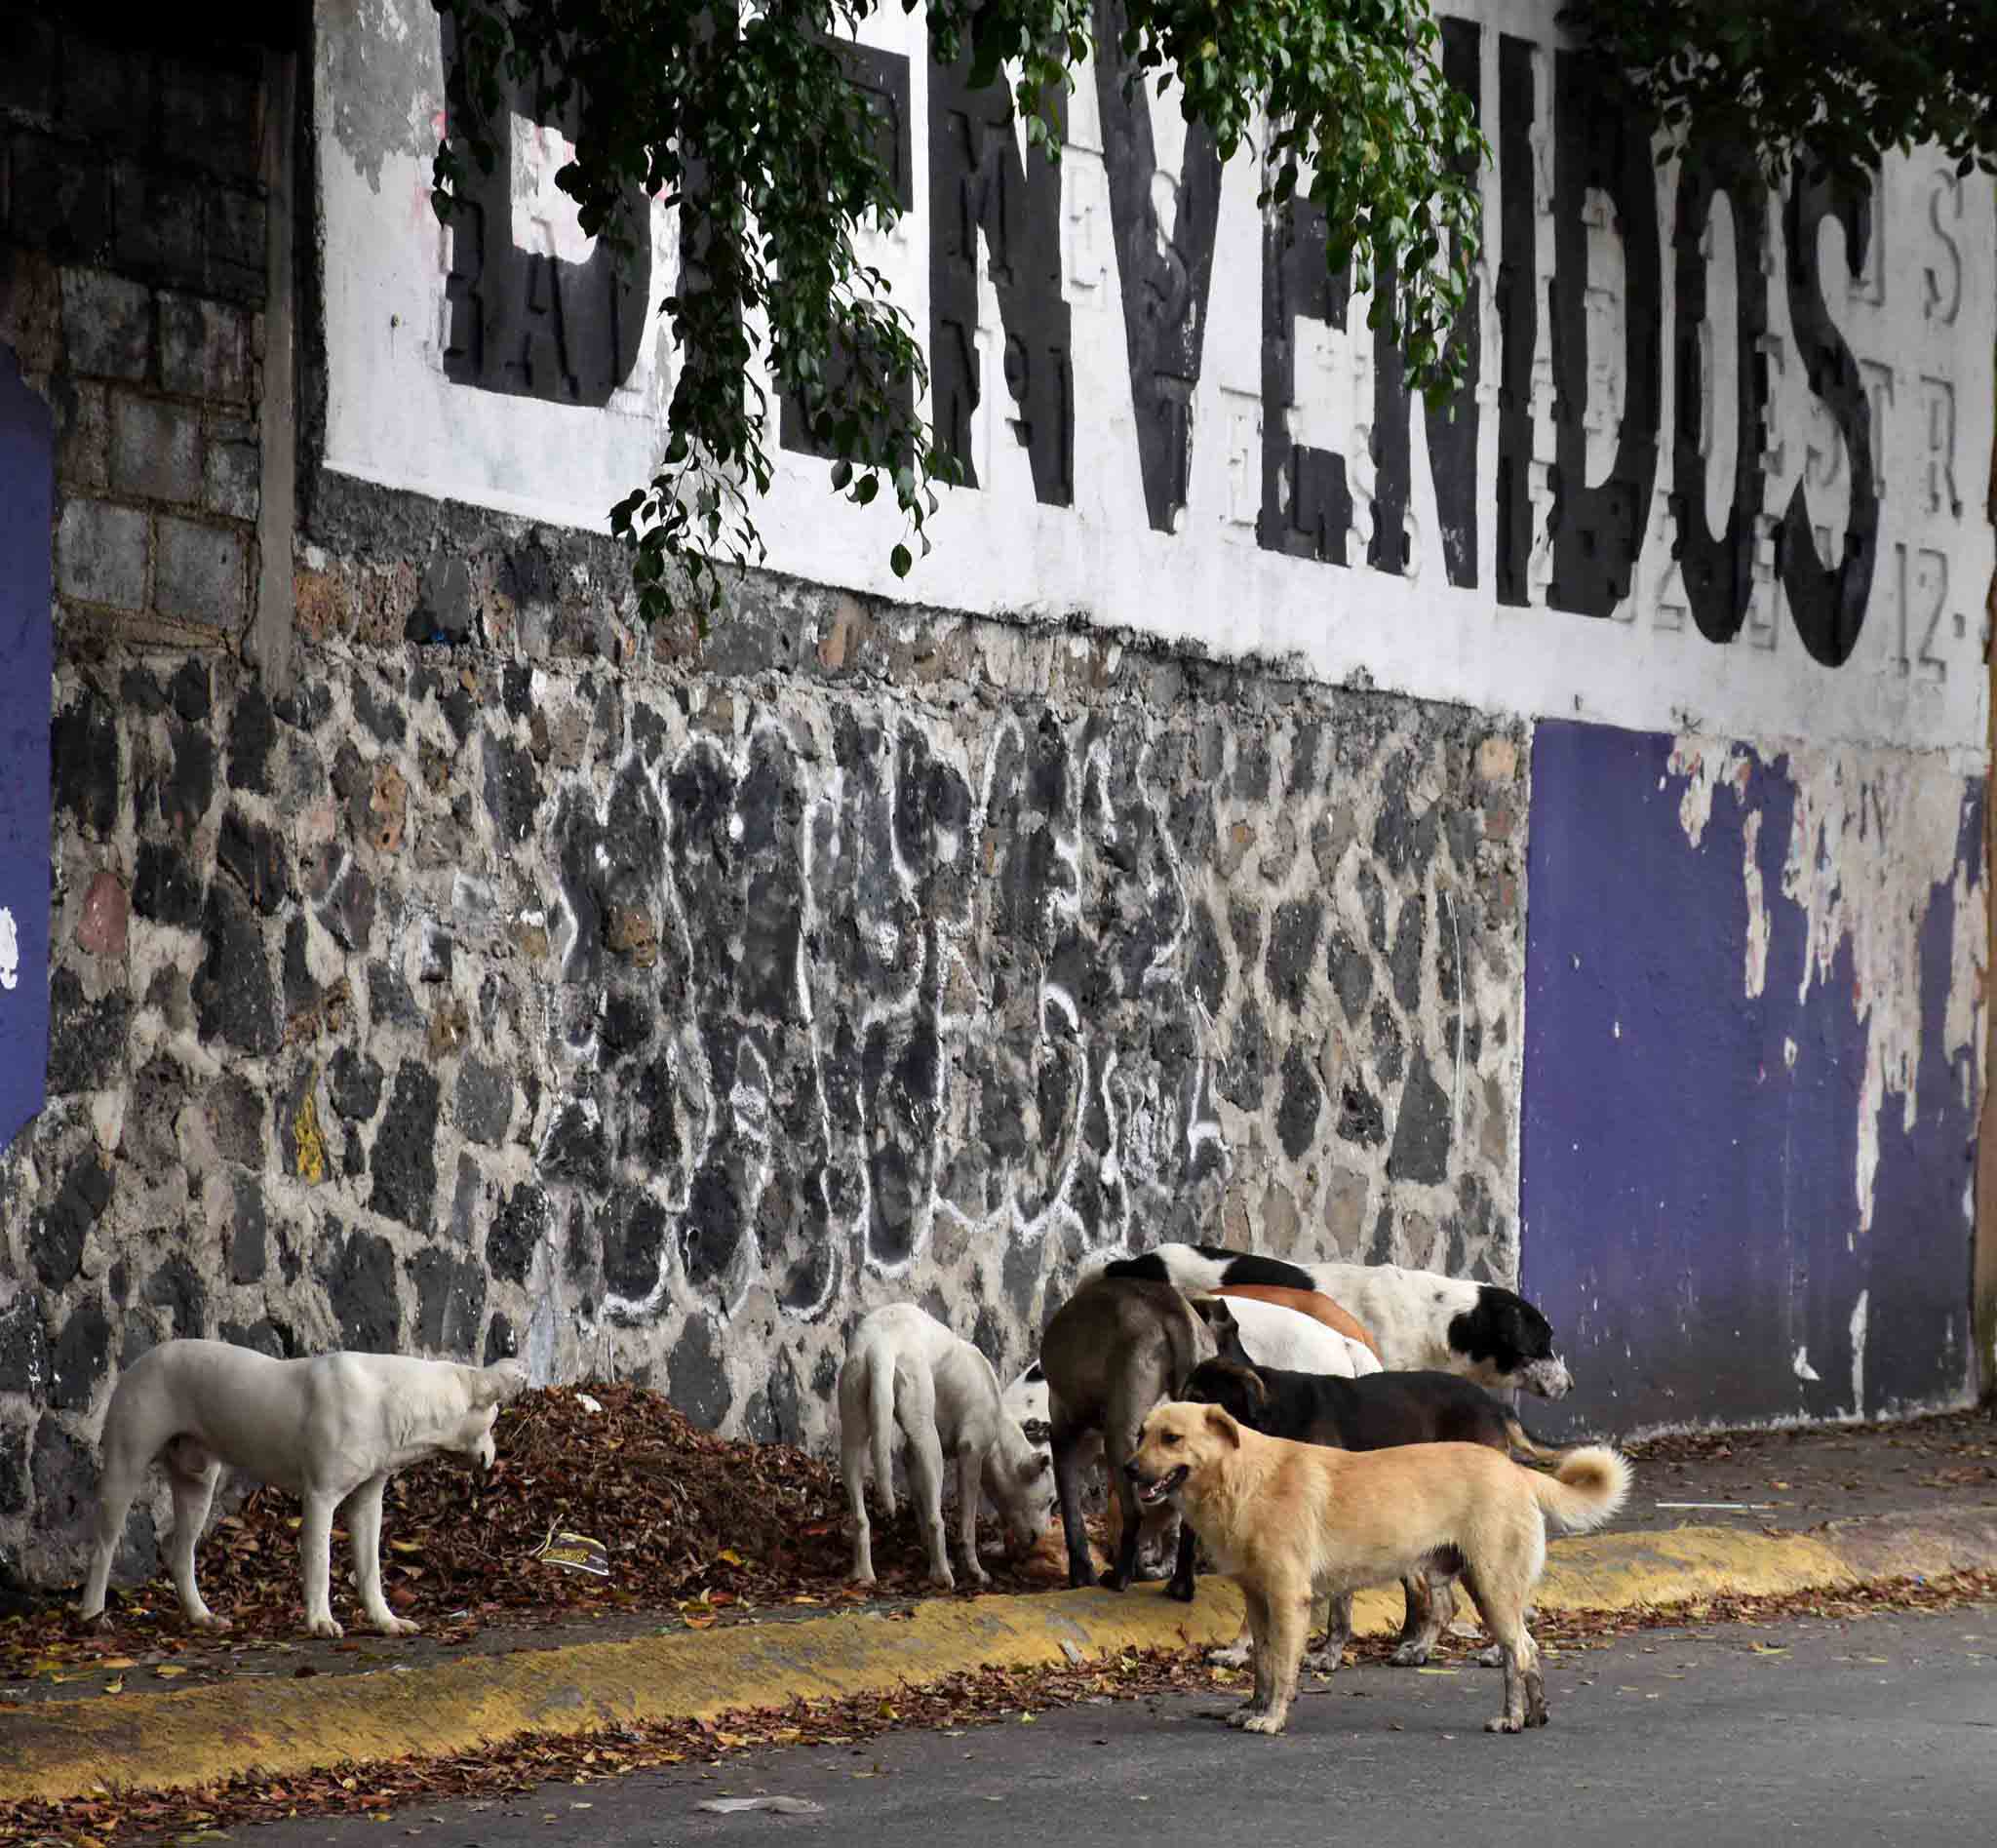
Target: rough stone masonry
[660,1008]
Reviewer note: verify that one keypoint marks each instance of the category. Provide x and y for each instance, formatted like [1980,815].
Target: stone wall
[658,1007]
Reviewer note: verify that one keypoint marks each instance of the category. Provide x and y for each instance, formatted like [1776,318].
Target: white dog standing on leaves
[324,1429]
[906,1372]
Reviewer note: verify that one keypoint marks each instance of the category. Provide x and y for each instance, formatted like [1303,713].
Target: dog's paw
[205,1619]
[1265,1722]
[941,1582]
[1504,1723]
[1234,1655]
[1490,1658]
[398,1626]
[326,1626]
[1111,1580]
[1324,1661]
[1180,1589]
[1410,1655]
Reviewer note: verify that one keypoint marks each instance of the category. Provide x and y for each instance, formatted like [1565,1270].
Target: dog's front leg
[1279,1654]
[970,1477]
[1181,1586]
[1255,1627]
[1432,1604]
[1338,1631]
[315,1541]
[363,1523]
[193,1474]
[925,1490]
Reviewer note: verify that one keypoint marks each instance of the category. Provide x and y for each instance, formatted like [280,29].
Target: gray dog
[1112,1352]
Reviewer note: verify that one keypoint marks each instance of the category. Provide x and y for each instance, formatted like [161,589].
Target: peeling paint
[1873,841]
[1858,1321]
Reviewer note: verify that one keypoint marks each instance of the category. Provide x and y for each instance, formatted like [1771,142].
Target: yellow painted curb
[53,1750]
[61,1749]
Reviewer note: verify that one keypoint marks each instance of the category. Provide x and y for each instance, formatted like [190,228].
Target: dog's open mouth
[1150,1494]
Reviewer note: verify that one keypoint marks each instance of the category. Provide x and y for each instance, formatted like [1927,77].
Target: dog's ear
[1214,1312]
[1221,1423]
[1253,1387]
[503,1380]
[1038,1430]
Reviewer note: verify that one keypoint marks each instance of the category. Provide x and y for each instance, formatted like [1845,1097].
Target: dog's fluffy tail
[1524,1445]
[1585,1490]
[880,1425]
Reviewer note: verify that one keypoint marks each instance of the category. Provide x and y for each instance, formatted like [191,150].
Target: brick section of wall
[576,991]
[127,187]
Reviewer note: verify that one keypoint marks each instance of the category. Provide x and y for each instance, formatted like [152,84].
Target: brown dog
[1313,1303]
[1111,1353]
[1296,1521]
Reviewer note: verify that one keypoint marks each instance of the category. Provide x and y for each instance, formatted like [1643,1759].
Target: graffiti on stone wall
[779,977]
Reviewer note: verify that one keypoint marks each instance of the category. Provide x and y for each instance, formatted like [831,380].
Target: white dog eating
[324,1428]
[906,1370]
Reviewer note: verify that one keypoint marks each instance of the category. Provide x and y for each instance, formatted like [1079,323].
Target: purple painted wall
[1690,1214]
[26,483]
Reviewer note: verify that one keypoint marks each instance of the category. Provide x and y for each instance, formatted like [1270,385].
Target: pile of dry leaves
[689,1521]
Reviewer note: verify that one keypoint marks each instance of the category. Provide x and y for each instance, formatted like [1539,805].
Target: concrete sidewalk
[1916,1500]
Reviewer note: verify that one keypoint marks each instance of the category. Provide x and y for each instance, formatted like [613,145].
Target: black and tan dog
[1296,1521]
[1371,1413]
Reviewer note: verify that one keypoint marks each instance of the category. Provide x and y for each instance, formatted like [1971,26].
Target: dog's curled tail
[880,1424]
[1524,1445]
[1590,1486]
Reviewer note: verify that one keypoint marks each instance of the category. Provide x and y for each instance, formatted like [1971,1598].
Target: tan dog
[1313,1303]
[1296,1521]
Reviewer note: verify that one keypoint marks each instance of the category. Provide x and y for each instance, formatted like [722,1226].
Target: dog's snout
[1130,1469]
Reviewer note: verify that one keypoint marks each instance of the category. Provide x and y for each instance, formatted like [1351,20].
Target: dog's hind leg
[1066,1442]
[1123,1421]
[854,1441]
[364,1525]
[123,1478]
[315,1543]
[192,1473]
[1525,1688]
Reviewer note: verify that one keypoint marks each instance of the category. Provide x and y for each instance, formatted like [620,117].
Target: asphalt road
[1883,1729]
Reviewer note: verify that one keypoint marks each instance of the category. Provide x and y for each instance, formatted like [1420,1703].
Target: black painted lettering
[979,183]
[1163,284]
[1307,503]
[1452,427]
[1601,147]
[1829,602]
[1719,569]
[884,77]
[529,322]
[1519,307]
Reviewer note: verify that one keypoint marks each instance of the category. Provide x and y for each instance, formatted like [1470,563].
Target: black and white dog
[1420,1318]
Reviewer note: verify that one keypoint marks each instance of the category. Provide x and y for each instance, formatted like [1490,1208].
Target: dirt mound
[688,1522]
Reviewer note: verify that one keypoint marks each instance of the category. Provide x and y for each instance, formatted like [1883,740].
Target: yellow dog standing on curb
[1296,1521]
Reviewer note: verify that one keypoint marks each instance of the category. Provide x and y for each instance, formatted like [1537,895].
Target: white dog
[1273,1336]
[1421,1318]
[323,1428]
[905,1369]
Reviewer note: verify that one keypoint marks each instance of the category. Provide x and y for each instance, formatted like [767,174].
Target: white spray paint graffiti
[10,950]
